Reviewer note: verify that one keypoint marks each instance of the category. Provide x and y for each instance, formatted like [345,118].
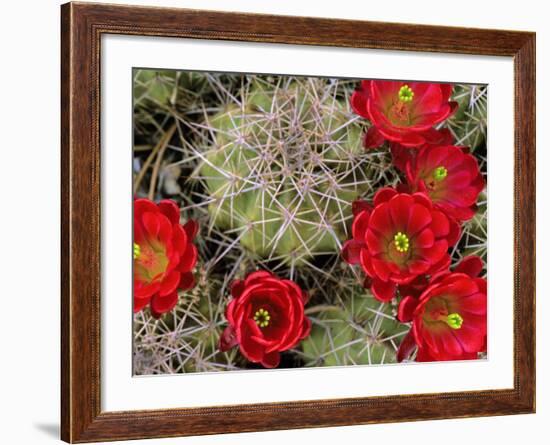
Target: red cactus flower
[402,112]
[401,238]
[449,318]
[266,317]
[164,255]
[449,176]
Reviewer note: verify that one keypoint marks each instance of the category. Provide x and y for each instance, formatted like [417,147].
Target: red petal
[424,240]
[228,339]
[237,288]
[446,91]
[424,356]
[373,138]
[191,227]
[406,347]
[271,360]
[306,328]
[406,309]
[359,205]
[142,206]
[383,91]
[409,139]
[165,229]
[454,232]
[381,268]
[418,267]
[151,223]
[365,261]
[351,251]
[375,243]
[439,137]
[359,226]
[440,224]
[140,303]
[170,209]
[257,276]
[422,198]
[170,283]
[380,220]
[383,291]
[383,195]
[475,304]
[470,265]
[401,156]
[434,253]
[187,281]
[419,218]
[161,305]
[470,337]
[430,101]
[251,349]
[142,290]
[188,258]
[179,238]
[400,209]
[359,101]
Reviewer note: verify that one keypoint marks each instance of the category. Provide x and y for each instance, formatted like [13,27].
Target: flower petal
[170,209]
[406,309]
[191,227]
[419,218]
[189,258]
[161,305]
[187,281]
[406,347]
[351,251]
[271,360]
[470,265]
[228,339]
[373,138]
[169,283]
[383,291]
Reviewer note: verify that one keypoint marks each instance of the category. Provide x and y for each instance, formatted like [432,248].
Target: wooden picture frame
[82,28]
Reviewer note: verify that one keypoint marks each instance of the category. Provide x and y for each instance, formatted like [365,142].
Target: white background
[29,121]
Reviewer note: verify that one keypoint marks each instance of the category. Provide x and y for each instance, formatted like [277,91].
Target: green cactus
[185,339]
[474,236]
[359,330]
[469,123]
[284,165]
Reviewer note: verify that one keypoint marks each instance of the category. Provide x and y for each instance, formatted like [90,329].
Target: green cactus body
[285,164]
[475,231]
[360,331]
[469,123]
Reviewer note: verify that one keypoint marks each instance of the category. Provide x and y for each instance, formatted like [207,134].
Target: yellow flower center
[440,173]
[137,251]
[262,317]
[401,242]
[454,320]
[405,94]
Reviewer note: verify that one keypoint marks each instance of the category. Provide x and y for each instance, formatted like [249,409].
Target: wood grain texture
[82,27]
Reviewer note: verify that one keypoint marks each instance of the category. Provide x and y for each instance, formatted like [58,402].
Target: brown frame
[81,28]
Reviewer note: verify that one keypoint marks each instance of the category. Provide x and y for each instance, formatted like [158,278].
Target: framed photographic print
[278,222]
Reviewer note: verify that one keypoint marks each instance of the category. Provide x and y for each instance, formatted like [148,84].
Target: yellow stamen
[454,320]
[405,94]
[440,173]
[401,242]
[262,317]
[137,251]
